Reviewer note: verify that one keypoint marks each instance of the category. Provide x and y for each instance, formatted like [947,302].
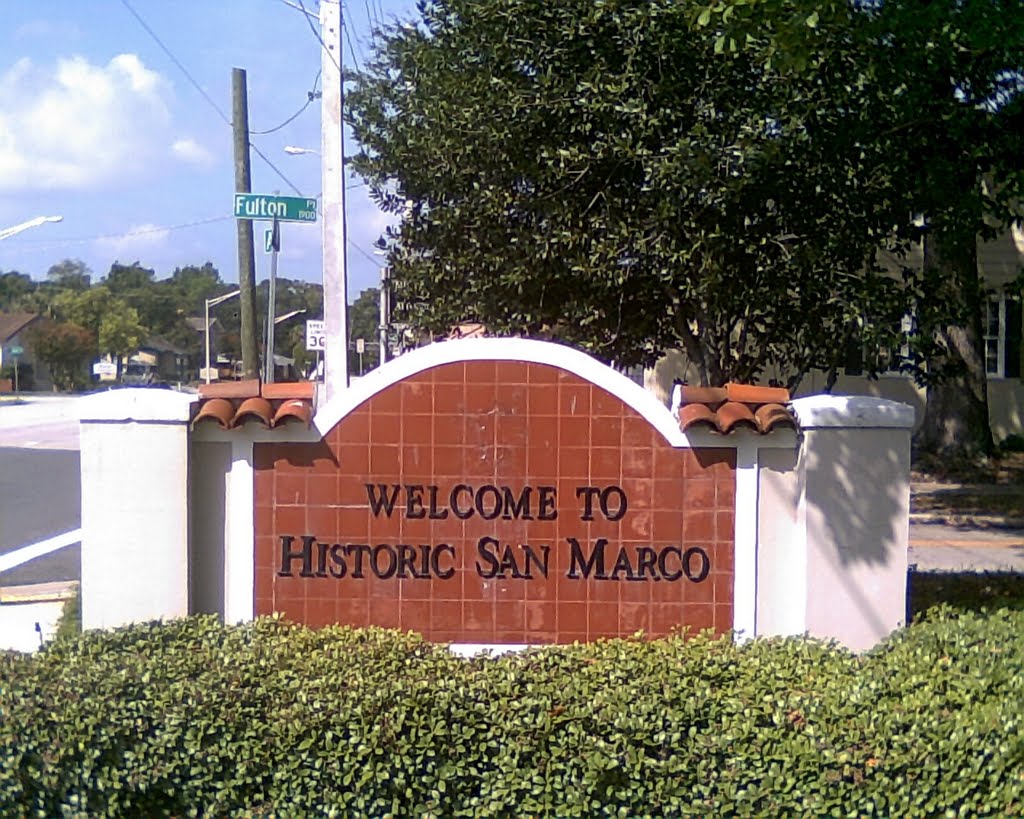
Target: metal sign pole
[275,244]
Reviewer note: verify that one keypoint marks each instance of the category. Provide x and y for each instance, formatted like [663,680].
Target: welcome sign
[497,502]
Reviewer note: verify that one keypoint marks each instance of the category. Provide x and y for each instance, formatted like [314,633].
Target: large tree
[620,176]
[955,74]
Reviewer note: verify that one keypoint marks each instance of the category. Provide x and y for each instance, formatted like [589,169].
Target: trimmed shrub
[192,718]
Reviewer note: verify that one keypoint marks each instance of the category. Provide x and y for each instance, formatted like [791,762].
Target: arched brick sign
[496,501]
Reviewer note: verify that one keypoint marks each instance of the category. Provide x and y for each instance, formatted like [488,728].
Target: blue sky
[98,125]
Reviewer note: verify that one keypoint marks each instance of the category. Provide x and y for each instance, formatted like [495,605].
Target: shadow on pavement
[967,591]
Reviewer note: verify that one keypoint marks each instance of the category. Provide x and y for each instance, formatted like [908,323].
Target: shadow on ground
[967,591]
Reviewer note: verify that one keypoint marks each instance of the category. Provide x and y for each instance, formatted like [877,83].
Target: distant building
[33,373]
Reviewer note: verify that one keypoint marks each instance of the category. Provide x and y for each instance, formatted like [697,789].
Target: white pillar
[853,504]
[135,515]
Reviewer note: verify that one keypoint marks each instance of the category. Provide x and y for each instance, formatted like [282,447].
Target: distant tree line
[85,319]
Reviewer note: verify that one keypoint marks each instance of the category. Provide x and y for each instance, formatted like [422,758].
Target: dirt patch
[1006,469]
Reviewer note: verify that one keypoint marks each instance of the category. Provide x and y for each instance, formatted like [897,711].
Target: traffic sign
[316,335]
[283,208]
[268,241]
[17,351]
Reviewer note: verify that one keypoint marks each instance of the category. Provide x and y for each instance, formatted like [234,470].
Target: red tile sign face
[496,502]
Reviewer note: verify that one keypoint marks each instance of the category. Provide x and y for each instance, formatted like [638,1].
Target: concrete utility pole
[246,252]
[332,157]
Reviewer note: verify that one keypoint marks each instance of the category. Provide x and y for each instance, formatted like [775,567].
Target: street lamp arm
[7,233]
[206,328]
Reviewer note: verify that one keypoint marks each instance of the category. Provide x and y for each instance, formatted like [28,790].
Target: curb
[38,592]
[968,521]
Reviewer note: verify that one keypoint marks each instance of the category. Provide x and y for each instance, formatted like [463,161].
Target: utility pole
[332,156]
[246,253]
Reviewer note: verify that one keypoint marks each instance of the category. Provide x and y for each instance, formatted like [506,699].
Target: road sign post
[282,208]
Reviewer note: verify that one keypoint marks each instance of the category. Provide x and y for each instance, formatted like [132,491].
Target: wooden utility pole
[332,150]
[246,252]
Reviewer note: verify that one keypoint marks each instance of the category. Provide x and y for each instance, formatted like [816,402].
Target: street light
[7,233]
[212,303]
[294,150]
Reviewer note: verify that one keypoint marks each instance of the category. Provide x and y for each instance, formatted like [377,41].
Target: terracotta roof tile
[220,410]
[231,389]
[733,406]
[232,404]
[296,409]
[256,408]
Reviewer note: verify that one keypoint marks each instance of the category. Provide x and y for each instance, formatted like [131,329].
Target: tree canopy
[622,177]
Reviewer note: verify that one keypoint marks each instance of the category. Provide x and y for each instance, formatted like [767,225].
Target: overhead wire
[206,96]
[310,96]
[127,235]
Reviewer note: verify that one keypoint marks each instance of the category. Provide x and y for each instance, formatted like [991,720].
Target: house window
[1002,336]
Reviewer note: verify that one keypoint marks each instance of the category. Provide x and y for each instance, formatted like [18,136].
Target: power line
[177,62]
[206,96]
[316,34]
[130,234]
[348,38]
[274,167]
[310,96]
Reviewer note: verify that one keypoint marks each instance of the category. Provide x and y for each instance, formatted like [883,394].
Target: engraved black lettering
[485,548]
[305,554]
[518,508]
[595,563]
[546,502]
[623,565]
[321,559]
[620,502]
[379,498]
[646,560]
[587,493]
[435,561]
[360,550]
[481,505]
[414,501]
[663,562]
[705,564]
[532,560]
[453,501]
[435,512]
[338,567]
[375,561]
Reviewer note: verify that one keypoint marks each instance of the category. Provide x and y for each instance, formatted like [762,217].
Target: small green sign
[283,208]
[17,351]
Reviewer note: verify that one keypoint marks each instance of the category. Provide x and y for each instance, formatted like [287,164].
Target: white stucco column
[135,512]
[852,516]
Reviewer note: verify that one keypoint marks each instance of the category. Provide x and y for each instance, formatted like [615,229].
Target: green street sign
[17,351]
[283,208]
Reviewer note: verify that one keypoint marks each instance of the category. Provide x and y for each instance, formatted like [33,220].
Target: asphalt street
[40,497]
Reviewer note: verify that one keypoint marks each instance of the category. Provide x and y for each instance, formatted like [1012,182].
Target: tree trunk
[956,422]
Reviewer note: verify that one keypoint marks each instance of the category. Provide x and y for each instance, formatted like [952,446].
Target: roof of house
[161,345]
[196,323]
[13,323]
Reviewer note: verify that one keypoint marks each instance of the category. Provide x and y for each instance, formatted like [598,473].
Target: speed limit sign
[315,335]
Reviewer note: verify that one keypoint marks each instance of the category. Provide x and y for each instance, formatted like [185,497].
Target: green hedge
[194,718]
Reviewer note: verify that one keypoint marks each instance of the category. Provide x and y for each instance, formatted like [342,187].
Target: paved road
[40,497]
[940,547]
[42,423]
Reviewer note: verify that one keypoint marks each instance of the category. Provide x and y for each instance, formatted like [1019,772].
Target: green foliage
[65,348]
[619,176]
[364,323]
[69,626]
[192,718]
[1012,443]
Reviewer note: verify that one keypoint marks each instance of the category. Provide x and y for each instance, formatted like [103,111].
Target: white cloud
[190,151]
[134,243]
[76,125]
